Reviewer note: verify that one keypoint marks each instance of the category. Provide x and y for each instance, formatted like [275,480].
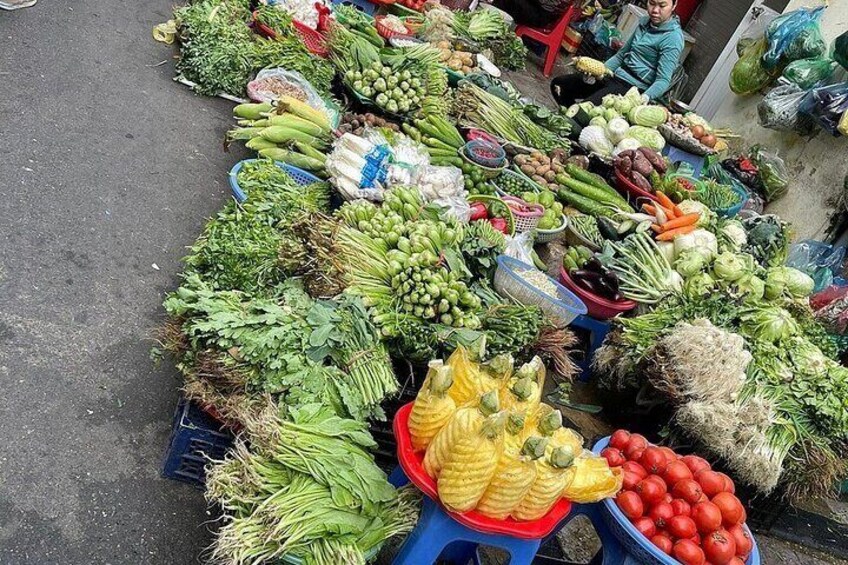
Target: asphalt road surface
[108,170]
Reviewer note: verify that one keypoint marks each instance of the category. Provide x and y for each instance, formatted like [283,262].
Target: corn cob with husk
[471,464]
[496,372]
[433,406]
[467,378]
[534,369]
[513,478]
[591,67]
[463,421]
[552,477]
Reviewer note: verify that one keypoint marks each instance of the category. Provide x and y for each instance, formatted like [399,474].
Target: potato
[536,155]
[444,55]
[528,170]
[466,70]
[538,179]
[443,45]
[541,171]
[550,176]
[520,160]
[454,65]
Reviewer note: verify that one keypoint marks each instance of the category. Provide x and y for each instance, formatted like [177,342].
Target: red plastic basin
[599,308]
[412,463]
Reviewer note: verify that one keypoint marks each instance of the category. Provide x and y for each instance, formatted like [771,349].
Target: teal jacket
[649,58]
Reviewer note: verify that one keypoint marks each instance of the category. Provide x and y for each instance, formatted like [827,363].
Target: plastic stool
[598,331]
[551,38]
[436,530]
[677,155]
[363,5]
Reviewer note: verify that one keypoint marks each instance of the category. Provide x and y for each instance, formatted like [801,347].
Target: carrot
[665,201]
[681,221]
[647,208]
[656,228]
[671,234]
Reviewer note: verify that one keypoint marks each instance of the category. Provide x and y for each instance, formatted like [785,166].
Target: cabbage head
[787,280]
[648,137]
[750,287]
[733,235]
[692,261]
[730,267]
[769,323]
[698,285]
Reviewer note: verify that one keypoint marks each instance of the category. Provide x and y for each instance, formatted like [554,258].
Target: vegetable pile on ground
[679,504]
[219,52]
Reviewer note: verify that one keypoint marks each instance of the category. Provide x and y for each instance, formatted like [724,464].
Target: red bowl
[599,308]
[412,463]
[627,186]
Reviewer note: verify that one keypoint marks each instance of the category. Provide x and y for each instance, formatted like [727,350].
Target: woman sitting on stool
[647,61]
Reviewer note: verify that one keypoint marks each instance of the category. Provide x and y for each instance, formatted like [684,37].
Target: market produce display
[492,446]
[299,303]
[679,504]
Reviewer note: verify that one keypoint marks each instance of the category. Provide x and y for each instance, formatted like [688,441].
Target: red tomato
[695,463]
[696,539]
[682,527]
[630,504]
[614,456]
[711,482]
[635,447]
[630,480]
[681,507]
[728,484]
[719,547]
[675,472]
[663,542]
[669,453]
[688,553]
[688,490]
[650,490]
[707,517]
[731,509]
[735,561]
[661,513]
[744,543]
[645,526]
[668,498]
[634,467]
[654,461]
[619,439]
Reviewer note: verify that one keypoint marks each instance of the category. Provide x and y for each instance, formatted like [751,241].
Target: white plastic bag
[520,247]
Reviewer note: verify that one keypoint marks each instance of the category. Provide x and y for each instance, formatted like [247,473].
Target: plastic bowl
[626,186]
[599,307]
[639,548]
[734,210]
[485,153]
[561,309]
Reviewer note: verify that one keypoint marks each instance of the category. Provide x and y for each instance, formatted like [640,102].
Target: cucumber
[583,204]
[598,194]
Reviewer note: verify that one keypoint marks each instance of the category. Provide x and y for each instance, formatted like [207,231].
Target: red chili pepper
[478,211]
[500,225]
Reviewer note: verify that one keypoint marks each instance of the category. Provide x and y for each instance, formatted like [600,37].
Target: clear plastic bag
[794,35]
[819,260]
[826,105]
[754,32]
[773,173]
[748,74]
[270,84]
[594,480]
[807,73]
[439,182]
[520,247]
[780,110]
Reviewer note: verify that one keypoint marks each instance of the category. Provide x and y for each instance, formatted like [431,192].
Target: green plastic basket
[531,186]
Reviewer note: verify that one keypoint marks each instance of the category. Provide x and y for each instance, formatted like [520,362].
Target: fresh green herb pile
[305,487]
[219,52]
[248,247]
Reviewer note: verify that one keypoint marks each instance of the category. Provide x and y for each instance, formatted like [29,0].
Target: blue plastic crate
[299,176]
[196,438]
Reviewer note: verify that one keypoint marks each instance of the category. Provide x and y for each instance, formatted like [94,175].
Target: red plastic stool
[551,37]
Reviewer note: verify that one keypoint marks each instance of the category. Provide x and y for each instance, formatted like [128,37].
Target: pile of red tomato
[679,503]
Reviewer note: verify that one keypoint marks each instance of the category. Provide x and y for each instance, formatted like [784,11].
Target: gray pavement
[107,171]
